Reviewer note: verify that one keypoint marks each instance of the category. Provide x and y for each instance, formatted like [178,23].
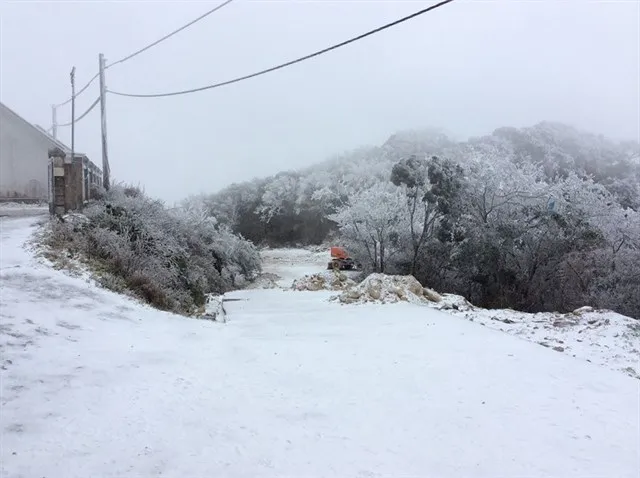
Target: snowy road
[15,210]
[94,384]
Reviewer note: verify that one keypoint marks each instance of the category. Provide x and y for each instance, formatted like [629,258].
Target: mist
[468,67]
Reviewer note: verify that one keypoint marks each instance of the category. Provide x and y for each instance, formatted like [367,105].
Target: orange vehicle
[340,260]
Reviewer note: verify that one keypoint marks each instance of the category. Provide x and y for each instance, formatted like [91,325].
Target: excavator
[340,260]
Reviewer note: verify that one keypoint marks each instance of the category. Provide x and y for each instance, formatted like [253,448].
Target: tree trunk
[375,257]
[414,261]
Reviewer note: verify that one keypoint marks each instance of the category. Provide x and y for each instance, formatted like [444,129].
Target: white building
[24,159]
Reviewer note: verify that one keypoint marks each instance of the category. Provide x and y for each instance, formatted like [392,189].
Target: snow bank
[323,281]
[599,336]
[382,288]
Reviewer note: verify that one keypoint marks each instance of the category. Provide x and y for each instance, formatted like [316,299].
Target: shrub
[171,259]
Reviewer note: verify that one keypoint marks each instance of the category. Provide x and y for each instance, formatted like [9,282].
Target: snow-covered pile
[383,288]
[323,281]
[599,336]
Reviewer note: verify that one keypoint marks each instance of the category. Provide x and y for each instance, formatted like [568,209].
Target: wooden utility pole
[103,124]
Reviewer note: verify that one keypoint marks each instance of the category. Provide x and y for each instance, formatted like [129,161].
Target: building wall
[23,158]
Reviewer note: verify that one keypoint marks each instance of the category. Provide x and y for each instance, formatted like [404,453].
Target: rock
[413,286]
[400,293]
[375,290]
[431,295]
[583,310]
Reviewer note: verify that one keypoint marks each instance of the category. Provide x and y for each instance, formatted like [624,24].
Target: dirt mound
[323,281]
[385,289]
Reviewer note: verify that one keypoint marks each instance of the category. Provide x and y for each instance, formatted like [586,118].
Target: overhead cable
[204,15]
[289,63]
[93,105]
[80,91]
[136,53]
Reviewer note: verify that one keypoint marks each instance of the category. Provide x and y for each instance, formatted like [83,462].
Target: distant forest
[536,219]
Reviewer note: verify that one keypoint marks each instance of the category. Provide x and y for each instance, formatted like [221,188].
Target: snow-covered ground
[598,336]
[291,264]
[14,209]
[95,384]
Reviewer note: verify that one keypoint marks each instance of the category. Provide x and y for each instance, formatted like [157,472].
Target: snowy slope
[94,384]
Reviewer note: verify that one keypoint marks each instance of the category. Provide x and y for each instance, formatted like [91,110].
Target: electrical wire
[289,63]
[204,15]
[79,92]
[136,53]
[93,105]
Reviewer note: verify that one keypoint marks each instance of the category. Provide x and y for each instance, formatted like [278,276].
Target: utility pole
[54,122]
[73,112]
[103,124]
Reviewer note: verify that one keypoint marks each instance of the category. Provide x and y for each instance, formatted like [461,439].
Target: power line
[93,105]
[289,63]
[136,53]
[79,92]
[204,15]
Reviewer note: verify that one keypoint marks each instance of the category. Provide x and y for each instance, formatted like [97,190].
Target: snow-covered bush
[171,259]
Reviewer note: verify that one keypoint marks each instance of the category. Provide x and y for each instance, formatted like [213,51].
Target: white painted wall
[23,157]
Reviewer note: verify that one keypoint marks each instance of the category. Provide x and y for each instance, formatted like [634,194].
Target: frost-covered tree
[371,222]
[431,188]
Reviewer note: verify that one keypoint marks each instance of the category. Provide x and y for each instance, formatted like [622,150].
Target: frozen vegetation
[538,219]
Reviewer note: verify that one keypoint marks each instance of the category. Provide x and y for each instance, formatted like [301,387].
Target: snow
[385,289]
[15,209]
[327,280]
[602,337]
[291,264]
[96,384]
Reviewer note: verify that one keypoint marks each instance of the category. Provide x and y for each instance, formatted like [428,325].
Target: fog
[468,67]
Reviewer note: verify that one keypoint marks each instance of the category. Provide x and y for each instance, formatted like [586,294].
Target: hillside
[544,218]
[256,208]
[97,384]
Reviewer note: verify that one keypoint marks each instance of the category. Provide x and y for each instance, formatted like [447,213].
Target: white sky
[469,67]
